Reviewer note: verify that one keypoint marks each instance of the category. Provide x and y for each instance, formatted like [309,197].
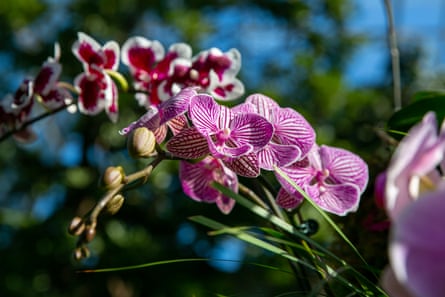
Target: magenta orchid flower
[46,83]
[413,165]
[228,134]
[293,136]
[416,248]
[15,111]
[215,72]
[152,69]
[97,91]
[232,136]
[333,178]
[196,180]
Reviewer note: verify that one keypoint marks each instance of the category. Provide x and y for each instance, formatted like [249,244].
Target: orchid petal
[111,51]
[151,120]
[188,144]
[263,104]
[417,243]
[204,113]
[344,166]
[90,94]
[292,128]
[141,54]
[338,199]
[279,155]
[176,105]
[288,201]
[252,129]
[246,165]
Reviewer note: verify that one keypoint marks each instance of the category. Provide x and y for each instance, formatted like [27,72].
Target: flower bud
[115,204]
[81,253]
[113,176]
[141,143]
[77,226]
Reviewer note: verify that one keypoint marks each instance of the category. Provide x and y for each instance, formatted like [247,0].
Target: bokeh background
[328,59]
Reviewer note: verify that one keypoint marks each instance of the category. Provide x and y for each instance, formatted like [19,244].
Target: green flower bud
[115,204]
[141,143]
[113,176]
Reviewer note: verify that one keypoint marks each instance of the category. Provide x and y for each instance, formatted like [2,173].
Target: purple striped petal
[288,201]
[263,104]
[278,155]
[176,105]
[204,113]
[252,129]
[344,166]
[151,120]
[246,165]
[337,199]
[292,128]
[177,124]
[299,172]
[188,144]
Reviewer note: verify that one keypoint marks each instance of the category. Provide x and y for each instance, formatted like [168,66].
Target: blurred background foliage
[294,51]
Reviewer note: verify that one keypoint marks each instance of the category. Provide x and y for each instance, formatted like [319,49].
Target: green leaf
[405,118]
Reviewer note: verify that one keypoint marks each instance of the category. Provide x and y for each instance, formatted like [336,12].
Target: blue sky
[419,21]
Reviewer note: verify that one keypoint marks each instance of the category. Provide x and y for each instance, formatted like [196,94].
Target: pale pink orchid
[413,167]
[97,91]
[197,178]
[416,248]
[332,177]
[293,136]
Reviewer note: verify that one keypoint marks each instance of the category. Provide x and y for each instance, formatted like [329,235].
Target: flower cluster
[255,135]
[16,109]
[414,199]
[157,76]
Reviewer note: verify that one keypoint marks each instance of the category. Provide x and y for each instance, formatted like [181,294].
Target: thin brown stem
[395,60]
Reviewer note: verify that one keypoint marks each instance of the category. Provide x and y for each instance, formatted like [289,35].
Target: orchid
[234,137]
[293,136]
[413,165]
[196,179]
[332,177]
[152,69]
[416,248]
[97,91]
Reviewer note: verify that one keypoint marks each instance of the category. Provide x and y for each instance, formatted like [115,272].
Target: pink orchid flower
[293,136]
[97,91]
[333,178]
[413,165]
[231,135]
[196,180]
